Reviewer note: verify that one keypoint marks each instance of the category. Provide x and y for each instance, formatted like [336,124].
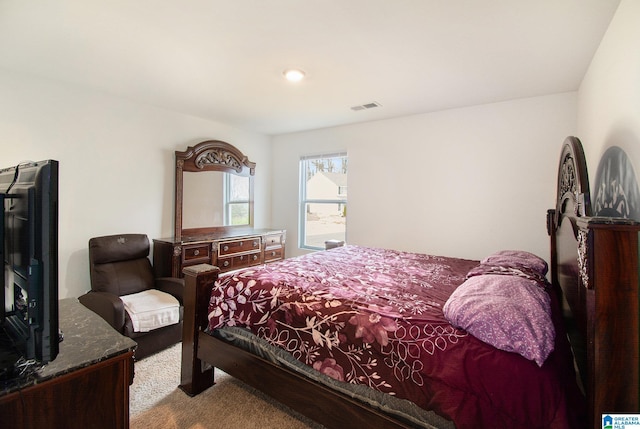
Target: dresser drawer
[247,244]
[273,240]
[196,253]
[239,261]
[274,254]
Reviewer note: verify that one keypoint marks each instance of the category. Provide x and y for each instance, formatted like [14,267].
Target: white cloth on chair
[151,309]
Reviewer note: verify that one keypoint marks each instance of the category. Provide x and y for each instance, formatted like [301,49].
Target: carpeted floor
[158,403]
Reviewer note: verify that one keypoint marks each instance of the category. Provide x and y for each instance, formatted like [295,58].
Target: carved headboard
[573,202]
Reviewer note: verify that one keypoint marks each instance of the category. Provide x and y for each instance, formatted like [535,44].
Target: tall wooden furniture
[86,386]
[595,262]
[214,214]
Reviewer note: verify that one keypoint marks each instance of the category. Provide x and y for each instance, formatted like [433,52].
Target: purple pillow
[511,313]
[517,259]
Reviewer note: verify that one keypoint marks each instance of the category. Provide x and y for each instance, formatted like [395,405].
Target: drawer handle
[196,252]
[255,244]
[225,263]
[225,248]
[273,253]
[241,244]
[255,257]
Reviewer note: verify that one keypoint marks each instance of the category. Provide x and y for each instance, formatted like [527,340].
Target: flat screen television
[29,255]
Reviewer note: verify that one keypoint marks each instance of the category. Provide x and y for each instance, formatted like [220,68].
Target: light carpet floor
[157,402]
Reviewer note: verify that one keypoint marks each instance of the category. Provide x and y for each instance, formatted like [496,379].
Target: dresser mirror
[214,190]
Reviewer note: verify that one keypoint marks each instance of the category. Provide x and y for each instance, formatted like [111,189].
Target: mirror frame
[210,155]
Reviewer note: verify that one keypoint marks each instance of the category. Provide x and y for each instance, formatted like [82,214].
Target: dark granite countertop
[88,339]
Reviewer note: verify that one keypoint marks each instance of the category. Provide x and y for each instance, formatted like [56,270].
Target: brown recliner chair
[119,265]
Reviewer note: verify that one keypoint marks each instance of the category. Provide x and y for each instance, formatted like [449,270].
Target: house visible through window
[323,199]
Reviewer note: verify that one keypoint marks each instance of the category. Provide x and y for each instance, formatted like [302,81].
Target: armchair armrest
[172,286]
[106,305]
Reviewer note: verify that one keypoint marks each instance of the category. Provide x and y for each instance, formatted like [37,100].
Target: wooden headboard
[594,265]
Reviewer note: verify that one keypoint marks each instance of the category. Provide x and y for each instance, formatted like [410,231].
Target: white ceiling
[223,59]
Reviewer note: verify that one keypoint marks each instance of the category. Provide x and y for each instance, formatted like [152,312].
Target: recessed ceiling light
[294,75]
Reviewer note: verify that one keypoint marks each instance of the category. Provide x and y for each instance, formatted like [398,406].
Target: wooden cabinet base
[93,397]
[85,386]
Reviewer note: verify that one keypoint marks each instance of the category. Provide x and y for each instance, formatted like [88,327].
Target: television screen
[29,250]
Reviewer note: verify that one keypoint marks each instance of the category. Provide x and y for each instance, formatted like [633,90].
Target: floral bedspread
[374,317]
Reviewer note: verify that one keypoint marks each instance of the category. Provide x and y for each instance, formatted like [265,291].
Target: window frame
[303,201]
[229,203]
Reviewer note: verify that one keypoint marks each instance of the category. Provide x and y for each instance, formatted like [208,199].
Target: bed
[387,355]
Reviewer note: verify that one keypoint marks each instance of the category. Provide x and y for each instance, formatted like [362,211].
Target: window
[236,200]
[323,199]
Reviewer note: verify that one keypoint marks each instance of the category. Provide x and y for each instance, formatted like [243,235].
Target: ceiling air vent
[366,106]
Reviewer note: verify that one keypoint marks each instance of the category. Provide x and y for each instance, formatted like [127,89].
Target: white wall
[609,97]
[461,182]
[473,179]
[116,162]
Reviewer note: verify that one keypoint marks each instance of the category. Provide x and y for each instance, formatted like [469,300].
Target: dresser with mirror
[214,224]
